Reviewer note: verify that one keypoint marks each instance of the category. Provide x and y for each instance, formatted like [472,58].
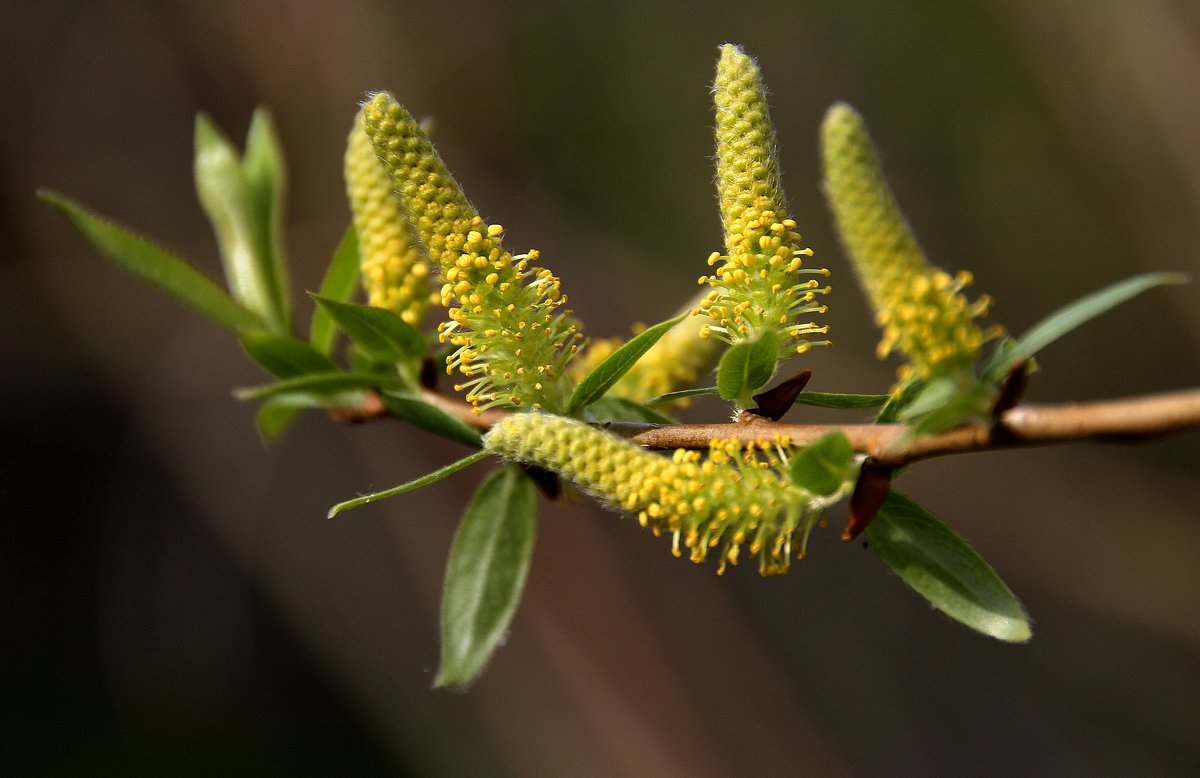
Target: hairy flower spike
[756,285]
[514,337]
[920,307]
[723,500]
[394,274]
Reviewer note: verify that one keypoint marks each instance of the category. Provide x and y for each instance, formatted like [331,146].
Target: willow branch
[891,445]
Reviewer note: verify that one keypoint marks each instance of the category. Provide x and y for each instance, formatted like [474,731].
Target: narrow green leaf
[265,174]
[486,573]
[154,264]
[411,486]
[824,465]
[946,402]
[604,375]
[226,200]
[378,331]
[432,418]
[622,409]
[942,568]
[341,279]
[837,400]
[747,367]
[283,356]
[1074,314]
[323,384]
[276,415]
[682,394]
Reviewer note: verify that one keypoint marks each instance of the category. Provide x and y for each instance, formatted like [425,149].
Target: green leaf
[324,384]
[283,356]
[486,573]
[226,200]
[747,367]
[622,409]
[682,394]
[943,569]
[824,465]
[265,174]
[277,414]
[383,335]
[945,402]
[1071,316]
[906,393]
[411,486]
[432,418]
[154,264]
[837,400]
[341,279]
[604,375]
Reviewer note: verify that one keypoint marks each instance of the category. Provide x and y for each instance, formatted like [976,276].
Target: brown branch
[1028,425]
[888,445]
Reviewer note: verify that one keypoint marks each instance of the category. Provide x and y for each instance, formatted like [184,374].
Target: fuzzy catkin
[723,499]
[920,307]
[755,286]
[394,274]
[514,336]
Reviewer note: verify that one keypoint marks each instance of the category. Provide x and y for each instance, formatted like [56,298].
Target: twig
[1027,425]
[889,445]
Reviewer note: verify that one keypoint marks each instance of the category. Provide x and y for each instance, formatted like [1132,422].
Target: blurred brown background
[175,603]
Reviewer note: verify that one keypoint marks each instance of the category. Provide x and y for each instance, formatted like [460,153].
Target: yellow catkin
[719,500]
[756,285]
[921,309]
[394,274]
[507,318]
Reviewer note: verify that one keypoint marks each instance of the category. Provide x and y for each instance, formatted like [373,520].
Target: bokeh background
[175,603]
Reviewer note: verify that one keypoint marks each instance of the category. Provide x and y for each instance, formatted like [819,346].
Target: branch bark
[889,445]
[1026,425]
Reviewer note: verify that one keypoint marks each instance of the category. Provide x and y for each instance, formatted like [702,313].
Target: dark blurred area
[175,603]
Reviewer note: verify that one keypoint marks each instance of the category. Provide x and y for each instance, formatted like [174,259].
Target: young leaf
[485,573]
[154,264]
[283,356]
[432,418]
[682,394]
[339,283]
[323,384]
[604,375]
[836,400]
[945,402]
[746,367]
[224,195]
[824,465]
[277,414]
[943,569]
[1074,314]
[622,409]
[378,331]
[265,174]
[411,486]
